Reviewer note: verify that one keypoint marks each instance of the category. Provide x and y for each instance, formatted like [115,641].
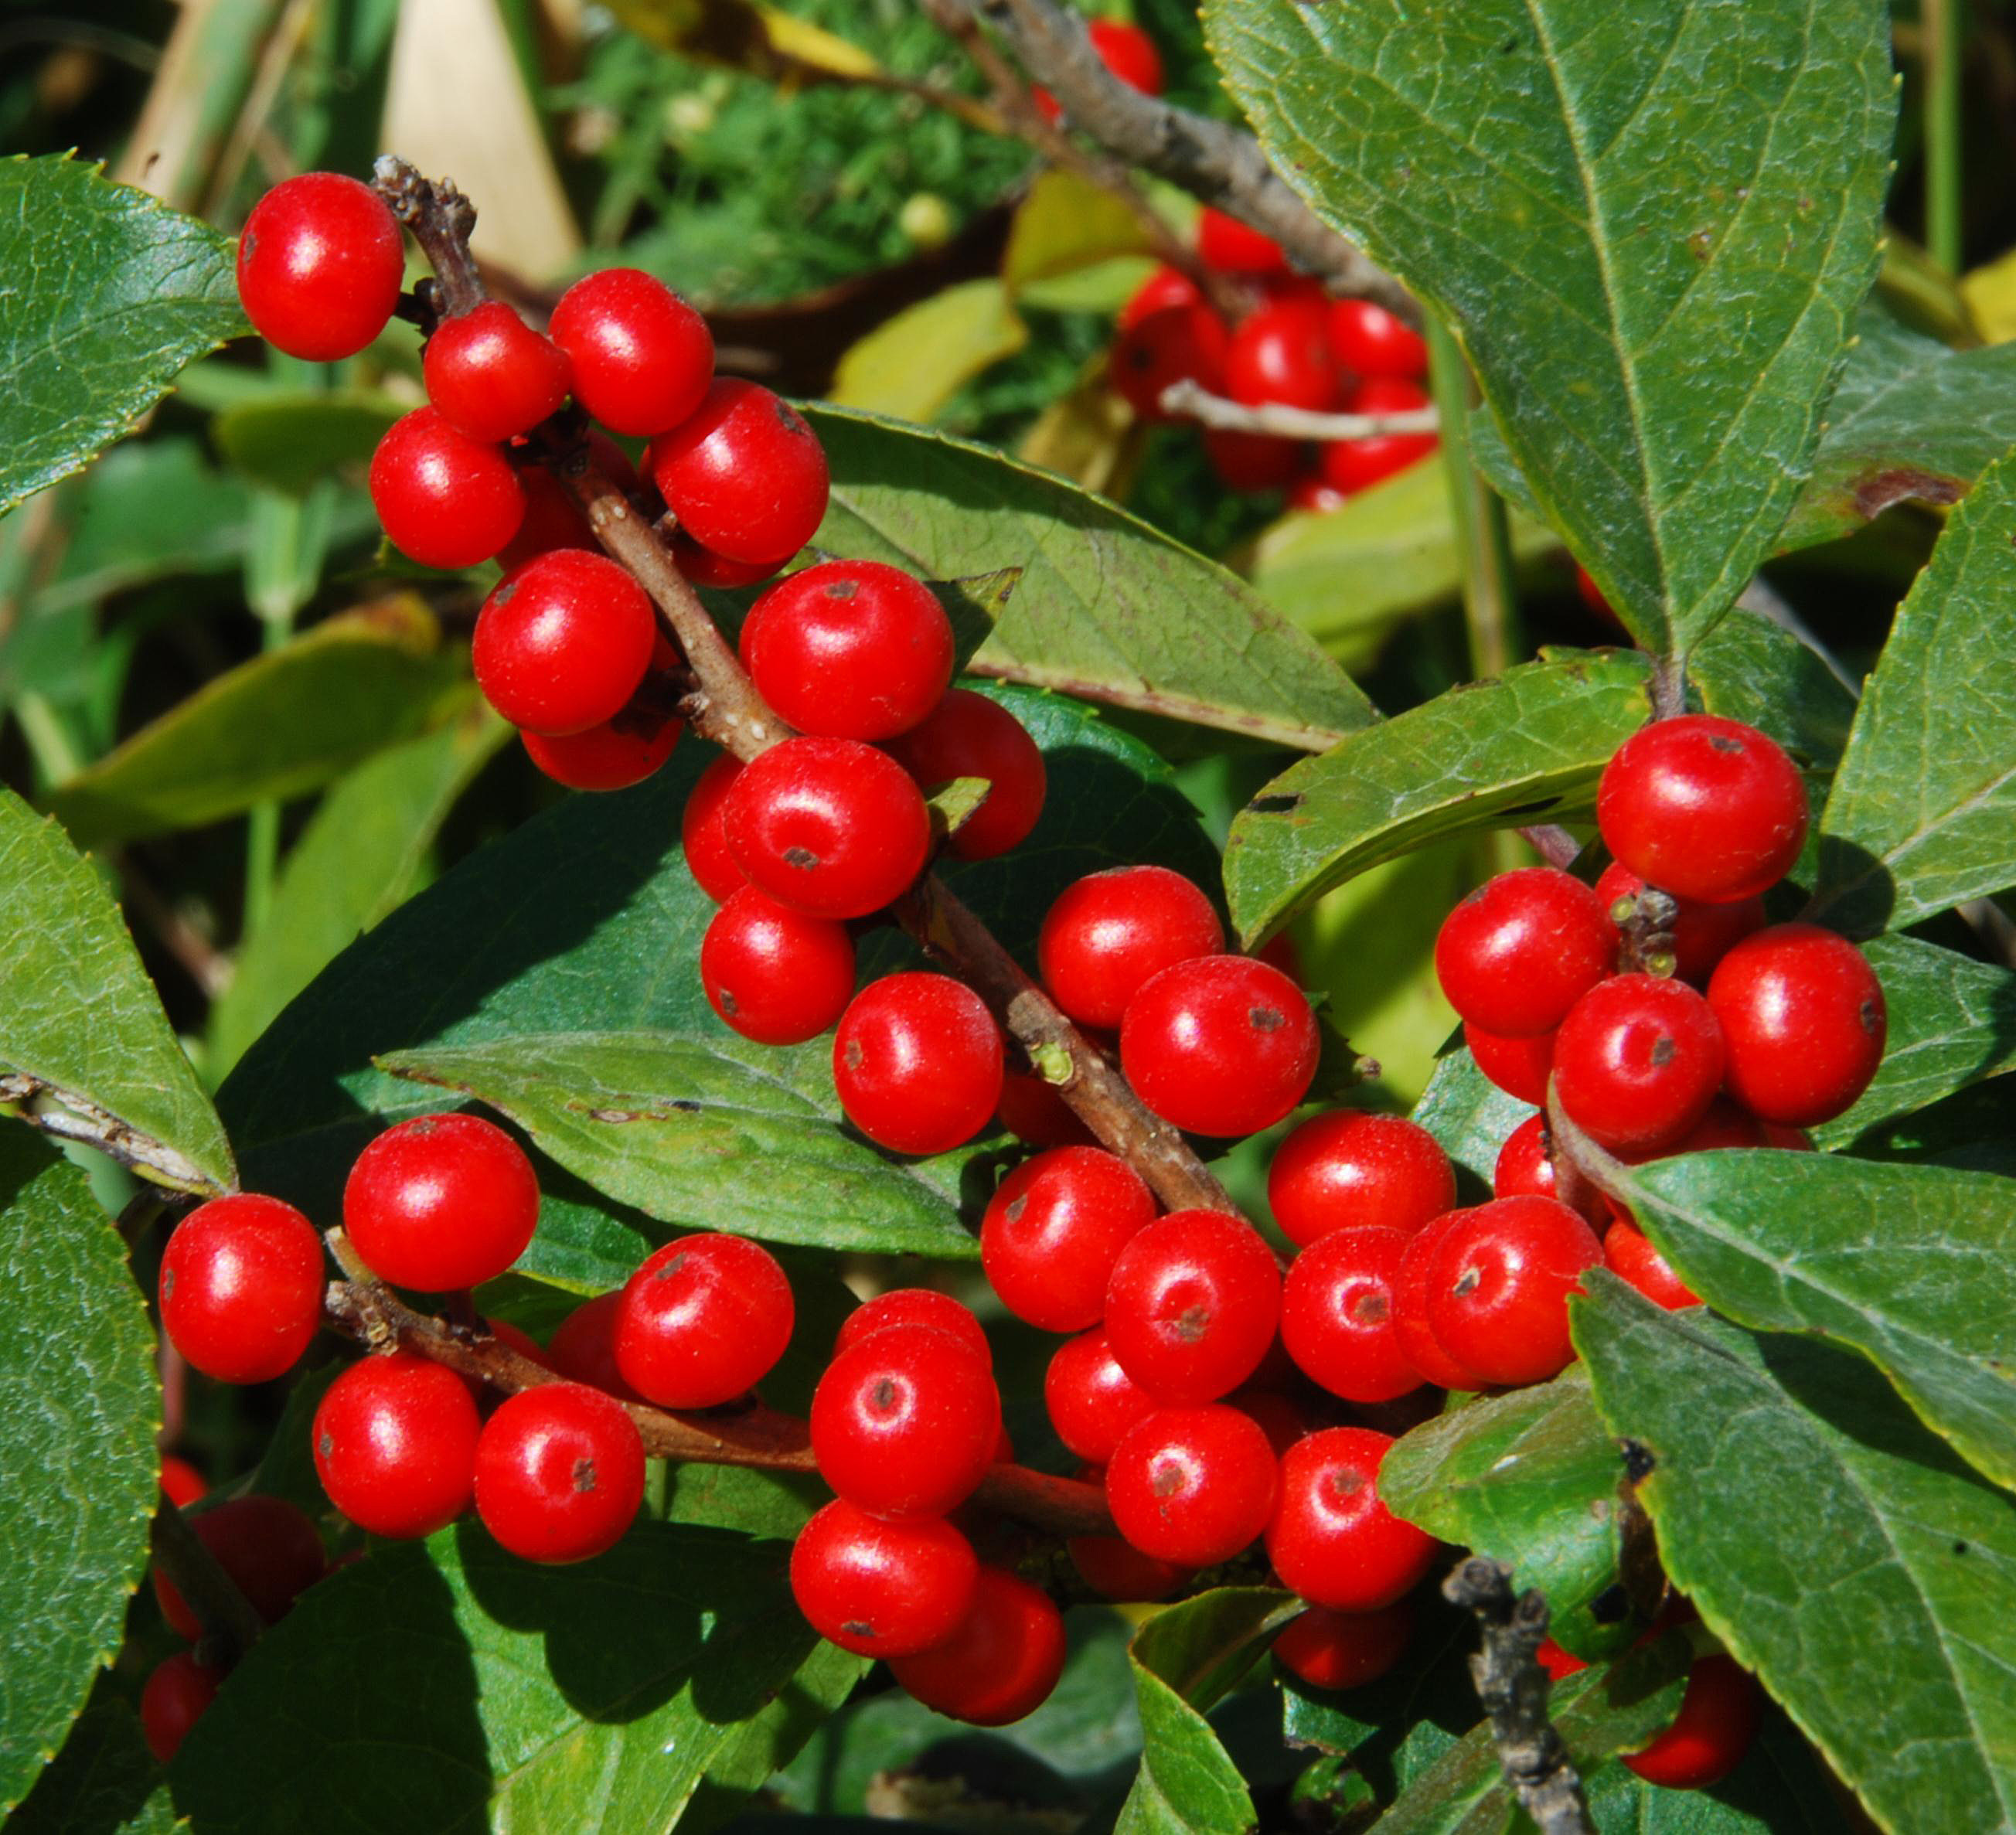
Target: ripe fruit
[1803,1018]
[904,1423]
[1344,1649]
[1498,1287]
[1252,461]
[830,827]
[1228,245]
[1313,494]
[1125,50]
[1337,1314]
[744,474]
[1115,1568]
[1628,1253]
[1638,1061]
[1348,1168]
[1370,341]
[1718,1719]
[611,756]
[1522,949]
[270,1550]
[1416,1338]
[583,1347]
[241,1287]
[319,265]
[1220,1045]
[441,1202]
[552,519]
[1091,1400]
[444,500]
[177,1693]
[1192,1304]
[1281,352]
[1034,1110]
[562,644]
[560,1473]
[882,1589]
[1179,343]
[180,1482]
[914,1306]
[1163,289]
[702,1321]
[1702,934]
[704,568]
[395,1444]
[1703,807]
[491,374]
[1110,933]
[967,734]
[1053,1231]
[917,1063]
[1193,1485]
[849,649]
[642,357]
[700,833]
[1331,1539]
[1353,466]
[773,974]
[1519,1067]
[1002,1662]
[1527,1167]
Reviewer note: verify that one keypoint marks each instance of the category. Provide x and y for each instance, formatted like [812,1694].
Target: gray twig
[1190,401]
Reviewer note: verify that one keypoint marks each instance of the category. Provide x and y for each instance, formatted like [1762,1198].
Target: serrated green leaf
[287,441]
[103,1782]
[911,365]
[1469,1114]
[108,293]
[80,1404]
[1592,196]
[1821,1527]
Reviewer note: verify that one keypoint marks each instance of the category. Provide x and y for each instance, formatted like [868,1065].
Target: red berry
[583,1347]
[180,1482]
[552,519]
[1519,1067]
[319,265]
[1417,1337]
[1528,1167]
[1702,934]
[1370,341]
[914,1306]
[444,500]
[1129,53]
[441,1202]
[1252,461]
[1638,1061]
[1353,466]
[1193,1485]
[1111,932]
[1348,1168]
[1091,1400]
[1281,1418]
[1703,807]
[702,836]
[966,734]
[830,827]
[702,1321]
[270,1550]
[1002,1662]
[775,975]
[1163,289]
[177,1693]
[704,568]
[1053,1231]
[562,643]
[642,357]
[1179,343]
[611,756]
[849,649]
[1559,1664]
[1718,1719]
[395,1444]
[1220,1045]
[1281,352]
[1344,1649]
[241,1287]
[1313,493]
[560,1473]
[1337,1314]
[1034,1110]
[1331,1538]
[917,1063]
[1115,1569]
[492,376]
[1628,1253]
[904,1423]
[1192,1305]
[1522,949]
[1228,245]
[1499,1283]
[882,1589]
[744,474]
[1803,1017]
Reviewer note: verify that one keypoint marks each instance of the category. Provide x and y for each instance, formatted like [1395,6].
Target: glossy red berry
[1228,245]
[552,519]
[1522,949]
[1411,1328]
[773,974]
[319,265]
[1179,343]
[1499,1283]
[1628,1253]
[1560,1664]
[1528,1167]
[1316,495]
[560,1473]
[849,649]
[702,1321]
[1193,1485]
[1052,1232]
[1091,1401]
[1331,1538]
[611,756]
[1803,1017]
[1370,341]
[395,1444]
[1348,1168]
[1703,807]
[562,643]
[917,1063]
[904,1423]
[745,475]
[880,1588]
[1638,1061]
[702,836]
[1163,289]
[270,1550]
[1252,461]
[914,1306]
[1337,1314]
[1000,1665]
[1702,934]
[444,500]
[704,568]
[241,1287]
[1192,1305]
[1115,1568]
[1281,352]
[1718,1720]
[967,734]
[1344,1649]
[180,1482]
[831,827]
[1125,50]
[441,1202]
[492,376]
[641,357]
[1111,932]
[1034,1110]
[1519,1067]
[583,1346]
[1220,1045]
[176,1695]
[1353,466]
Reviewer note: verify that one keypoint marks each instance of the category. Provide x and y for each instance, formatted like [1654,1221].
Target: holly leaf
[103,1782]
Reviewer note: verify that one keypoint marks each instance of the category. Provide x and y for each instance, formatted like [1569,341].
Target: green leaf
[279,726]
[1839,1550]
[79,1019]
[913,364]
[78,1465]
[1779,1789]
[1923,811]
[1468,1113]
[288,440]
[103,1782]
[108,293]
[662,1682]
[1594,197]
[1108,608]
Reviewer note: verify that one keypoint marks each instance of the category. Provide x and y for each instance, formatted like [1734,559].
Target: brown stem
[440,220]
[230,1625]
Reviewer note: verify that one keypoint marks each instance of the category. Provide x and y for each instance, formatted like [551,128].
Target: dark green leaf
[287,441]
[103,1782]
[1973,1129]
[1779,1789]
[1469,1114]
